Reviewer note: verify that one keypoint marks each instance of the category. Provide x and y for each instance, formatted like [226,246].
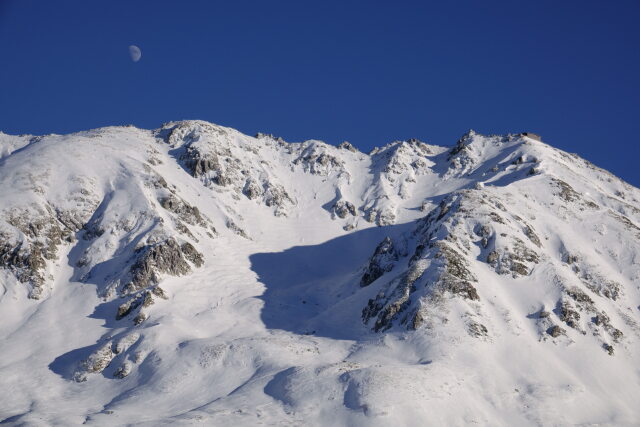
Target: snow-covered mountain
[193,274]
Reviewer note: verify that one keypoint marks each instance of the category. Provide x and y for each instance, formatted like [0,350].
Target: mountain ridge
[308,281]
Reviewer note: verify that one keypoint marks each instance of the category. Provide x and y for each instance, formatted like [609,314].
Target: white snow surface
[508,292]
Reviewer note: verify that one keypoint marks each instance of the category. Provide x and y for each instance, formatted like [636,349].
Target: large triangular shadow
[315,290]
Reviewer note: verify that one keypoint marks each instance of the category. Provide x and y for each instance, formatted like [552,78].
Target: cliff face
[233,279]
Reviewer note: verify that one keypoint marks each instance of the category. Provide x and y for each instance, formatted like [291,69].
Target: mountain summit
[196,274]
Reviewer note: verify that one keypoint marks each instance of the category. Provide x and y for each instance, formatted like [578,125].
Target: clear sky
[369,72]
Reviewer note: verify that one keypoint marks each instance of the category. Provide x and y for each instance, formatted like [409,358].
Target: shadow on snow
[315,290]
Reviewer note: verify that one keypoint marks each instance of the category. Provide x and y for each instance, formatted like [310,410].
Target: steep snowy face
[96,192]
[309,282]
[520,221]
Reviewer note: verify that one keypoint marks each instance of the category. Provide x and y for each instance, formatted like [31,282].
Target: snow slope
[193,274]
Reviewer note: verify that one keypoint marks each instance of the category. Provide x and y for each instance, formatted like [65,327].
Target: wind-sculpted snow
[196,274]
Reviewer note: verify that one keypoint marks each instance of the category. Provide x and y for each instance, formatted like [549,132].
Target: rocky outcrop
[388,306]
[343,208]
[168,257]
[184,211]
[382,261]
[152,261]
[95,363]
[513,259]
[277,197]
[105,354]
[225,160]
[236,229]
[566,193]
[346,145]
[440,267]
[579,311]
[381,216]
[140,300]
[592,278]
[316,160]
[30,240]
[437,268]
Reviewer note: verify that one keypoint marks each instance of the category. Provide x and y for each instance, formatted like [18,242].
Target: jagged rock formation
[226,159]
[207,269]
[381,262]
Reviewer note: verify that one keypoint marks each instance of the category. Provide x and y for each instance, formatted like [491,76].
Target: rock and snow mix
[195,274]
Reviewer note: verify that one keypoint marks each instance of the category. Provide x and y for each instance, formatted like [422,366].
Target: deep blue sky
[364,71]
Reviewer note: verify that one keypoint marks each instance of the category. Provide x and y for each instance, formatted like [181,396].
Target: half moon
[135,53]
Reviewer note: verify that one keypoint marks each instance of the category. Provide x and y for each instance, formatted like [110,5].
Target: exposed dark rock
[615,333]
[519,269]
[462,143]
[417,320]
[456,267]
[627,223]
[276,196]
[389,314]
[123,371]
[380,216]
[95,363]
[513,261]
[568,194]
[44,230]
[569,316]
[571,259]
[147,300]
[388,309]
[236,229]
[318,163]
[141,317]
[382,261]
[528,231]
[496,218]
[187,213]
[26,263]
[191,254]
[252,189]
[609,289]
[373,307]
[477,330]
[345,145]
[342,208]
[579,296]
[199,164]
[484,232]
[159,292]
[182,228]
[164,257]
[492,258]
[601,319]
[555,331]
[443,209]
[126,308]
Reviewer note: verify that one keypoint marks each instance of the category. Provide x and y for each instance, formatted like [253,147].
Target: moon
[135,53]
